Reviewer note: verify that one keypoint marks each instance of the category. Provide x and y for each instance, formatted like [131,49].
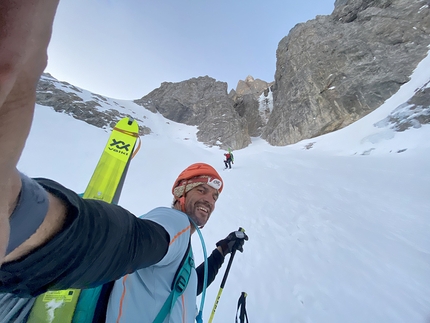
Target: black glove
[233,242]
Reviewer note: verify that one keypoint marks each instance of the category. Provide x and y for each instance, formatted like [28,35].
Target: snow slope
[338,225]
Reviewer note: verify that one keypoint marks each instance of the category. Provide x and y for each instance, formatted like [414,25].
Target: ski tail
[106,183]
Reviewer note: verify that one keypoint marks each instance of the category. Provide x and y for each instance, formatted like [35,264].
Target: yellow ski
[106,185]
[106,179]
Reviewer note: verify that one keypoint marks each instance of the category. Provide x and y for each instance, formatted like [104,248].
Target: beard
[199,216]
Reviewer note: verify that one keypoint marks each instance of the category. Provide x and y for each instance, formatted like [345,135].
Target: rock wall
[330,72]
[63,97]
[201,102]
[335,69]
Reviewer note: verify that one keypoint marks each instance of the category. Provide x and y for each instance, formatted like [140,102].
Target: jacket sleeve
[215,261]
[99,242]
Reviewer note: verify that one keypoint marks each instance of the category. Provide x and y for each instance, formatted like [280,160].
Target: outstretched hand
[234,241]
[26,30]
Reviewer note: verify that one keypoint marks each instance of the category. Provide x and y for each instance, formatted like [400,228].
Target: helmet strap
[182,203]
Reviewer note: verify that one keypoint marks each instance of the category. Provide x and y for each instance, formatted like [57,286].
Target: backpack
[92,303]
[179,284]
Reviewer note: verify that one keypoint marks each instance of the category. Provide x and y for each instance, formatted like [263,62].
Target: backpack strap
[179,285]
[101,307]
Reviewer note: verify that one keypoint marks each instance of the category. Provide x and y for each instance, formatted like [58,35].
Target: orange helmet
[198,173]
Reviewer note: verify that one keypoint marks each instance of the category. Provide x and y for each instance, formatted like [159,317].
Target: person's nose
[209,198]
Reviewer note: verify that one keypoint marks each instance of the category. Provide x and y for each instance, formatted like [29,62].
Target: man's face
[200,203]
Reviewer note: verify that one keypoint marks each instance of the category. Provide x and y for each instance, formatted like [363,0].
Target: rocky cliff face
[225,120]
[64,97]
[335,69]
[330,72]
[201,102]
[411,114]
[253,101]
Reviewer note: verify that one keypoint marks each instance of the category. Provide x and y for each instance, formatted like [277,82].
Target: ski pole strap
[241,306]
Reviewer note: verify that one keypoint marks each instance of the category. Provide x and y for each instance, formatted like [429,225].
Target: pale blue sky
[126,48]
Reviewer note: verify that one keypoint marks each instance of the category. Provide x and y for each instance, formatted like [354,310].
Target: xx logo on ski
[118,143]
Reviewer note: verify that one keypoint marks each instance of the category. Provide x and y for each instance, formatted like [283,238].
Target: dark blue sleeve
[99,242]
[215,261]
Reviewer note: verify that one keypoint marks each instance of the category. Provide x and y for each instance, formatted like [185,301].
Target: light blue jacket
[138,297]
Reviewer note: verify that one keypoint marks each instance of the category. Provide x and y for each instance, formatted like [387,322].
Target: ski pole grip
[224,279]
[234,251]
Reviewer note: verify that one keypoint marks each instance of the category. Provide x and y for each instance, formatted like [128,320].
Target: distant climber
[229,159]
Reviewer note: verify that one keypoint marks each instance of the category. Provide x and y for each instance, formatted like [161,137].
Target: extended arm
[51,257]
[215,261]
[96,243]
[234,241]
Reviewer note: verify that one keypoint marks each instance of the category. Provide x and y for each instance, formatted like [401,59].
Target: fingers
[239,245]
[240,237]
[234,241]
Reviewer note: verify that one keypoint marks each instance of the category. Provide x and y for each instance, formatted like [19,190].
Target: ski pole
[224,279]
[241,309]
